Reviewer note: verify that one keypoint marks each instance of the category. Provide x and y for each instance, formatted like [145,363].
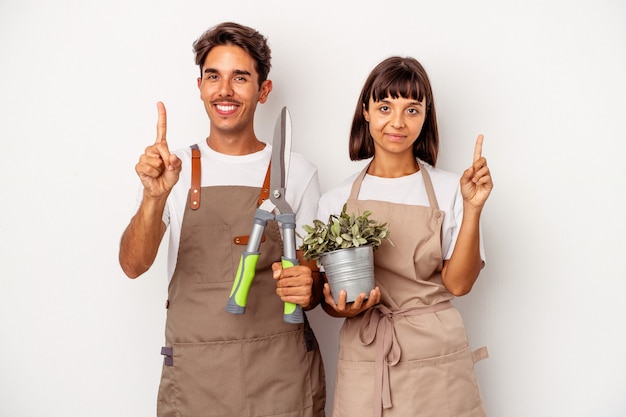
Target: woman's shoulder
[441,176]
[343,187]
[334,198]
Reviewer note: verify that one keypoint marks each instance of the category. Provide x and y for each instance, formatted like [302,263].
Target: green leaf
[335,229]
[342,231]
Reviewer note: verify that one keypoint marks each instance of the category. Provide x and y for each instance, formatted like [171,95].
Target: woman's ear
[366,114]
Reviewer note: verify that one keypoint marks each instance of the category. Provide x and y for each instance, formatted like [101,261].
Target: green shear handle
[292,312]
[247,264]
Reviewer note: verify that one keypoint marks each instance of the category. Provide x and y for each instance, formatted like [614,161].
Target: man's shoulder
[299,160]
[301,169]
[184,152]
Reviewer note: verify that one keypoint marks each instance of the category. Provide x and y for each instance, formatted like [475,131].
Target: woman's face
[395,123]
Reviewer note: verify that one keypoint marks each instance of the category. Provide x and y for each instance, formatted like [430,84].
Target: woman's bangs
[404,85]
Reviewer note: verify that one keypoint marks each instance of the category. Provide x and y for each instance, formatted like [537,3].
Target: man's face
[230,91]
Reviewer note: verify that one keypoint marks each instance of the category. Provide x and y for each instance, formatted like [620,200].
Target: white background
[542,80]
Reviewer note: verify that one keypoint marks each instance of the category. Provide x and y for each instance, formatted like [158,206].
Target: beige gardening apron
[408,356]
[217,363]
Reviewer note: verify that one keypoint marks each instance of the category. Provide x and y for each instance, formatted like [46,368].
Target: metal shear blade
[281,157]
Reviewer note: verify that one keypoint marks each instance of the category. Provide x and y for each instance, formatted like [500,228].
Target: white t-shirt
[410,190]
[302,187]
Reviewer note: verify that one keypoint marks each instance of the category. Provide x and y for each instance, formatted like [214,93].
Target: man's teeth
[225,108]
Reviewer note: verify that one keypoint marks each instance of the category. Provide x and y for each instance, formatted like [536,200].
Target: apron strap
[428,184]
[377,324]
[196,175]
[168,353]
[263,195]
[265,188]
[309,335]
[430,191]
[480,354]
[194,194]
[356,185]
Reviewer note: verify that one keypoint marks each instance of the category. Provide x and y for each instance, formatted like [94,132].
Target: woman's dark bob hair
[396,77]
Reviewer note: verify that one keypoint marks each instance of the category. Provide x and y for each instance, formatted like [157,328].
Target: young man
[217,363]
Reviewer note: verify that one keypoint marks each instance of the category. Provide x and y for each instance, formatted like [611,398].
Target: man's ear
[266,89]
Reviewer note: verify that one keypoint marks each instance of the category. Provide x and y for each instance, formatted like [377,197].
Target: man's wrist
[317,290]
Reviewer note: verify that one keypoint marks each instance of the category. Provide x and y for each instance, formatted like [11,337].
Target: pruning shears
[281,154]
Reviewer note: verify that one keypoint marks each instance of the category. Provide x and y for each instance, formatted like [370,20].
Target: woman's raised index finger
[478,148]
[161,123]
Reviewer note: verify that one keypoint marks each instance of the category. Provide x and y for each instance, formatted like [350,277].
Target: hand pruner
[281,153]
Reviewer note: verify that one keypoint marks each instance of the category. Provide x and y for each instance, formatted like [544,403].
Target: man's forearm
[141,239]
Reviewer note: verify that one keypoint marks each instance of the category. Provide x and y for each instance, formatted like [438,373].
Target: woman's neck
[389,167]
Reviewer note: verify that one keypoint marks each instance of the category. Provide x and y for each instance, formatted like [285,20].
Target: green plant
[340,232]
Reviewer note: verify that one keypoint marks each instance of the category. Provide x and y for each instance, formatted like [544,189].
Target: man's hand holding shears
[300,284]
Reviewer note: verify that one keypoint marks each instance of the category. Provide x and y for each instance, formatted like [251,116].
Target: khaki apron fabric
[220,364]
[408,356]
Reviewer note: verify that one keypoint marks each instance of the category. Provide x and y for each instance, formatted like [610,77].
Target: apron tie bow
[377,325]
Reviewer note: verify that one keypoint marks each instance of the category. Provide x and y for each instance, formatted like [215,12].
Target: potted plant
[344,247]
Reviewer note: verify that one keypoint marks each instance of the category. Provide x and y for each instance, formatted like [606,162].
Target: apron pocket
[446,383]
[354,389]
[462,386]
[278,377]
[208,255]
[254,377]
[207,379]
[444,386]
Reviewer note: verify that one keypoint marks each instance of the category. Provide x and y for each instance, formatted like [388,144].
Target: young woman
[404,345]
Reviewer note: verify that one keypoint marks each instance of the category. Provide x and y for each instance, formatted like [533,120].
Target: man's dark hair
[248,39]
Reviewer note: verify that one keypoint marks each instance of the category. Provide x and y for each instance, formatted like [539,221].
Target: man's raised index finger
[478,148]
[161,123]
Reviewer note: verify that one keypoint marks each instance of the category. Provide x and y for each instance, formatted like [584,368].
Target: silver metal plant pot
[350,269]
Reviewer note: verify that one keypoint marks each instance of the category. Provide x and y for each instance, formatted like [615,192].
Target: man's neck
[231,145]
